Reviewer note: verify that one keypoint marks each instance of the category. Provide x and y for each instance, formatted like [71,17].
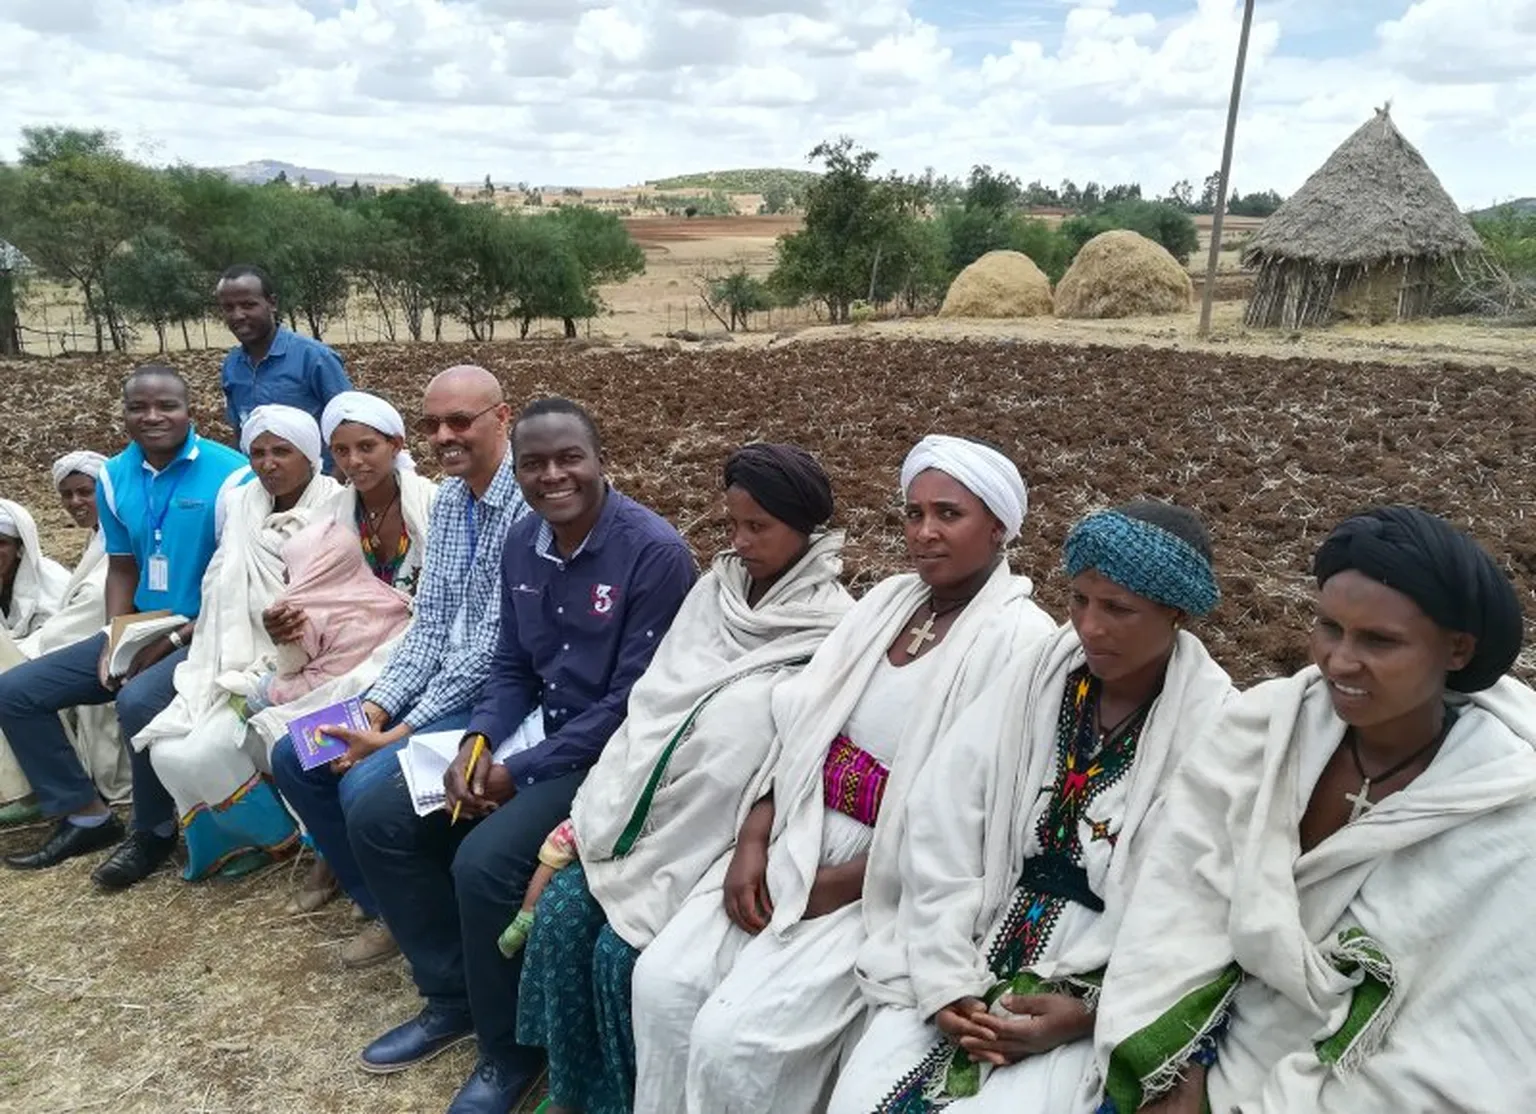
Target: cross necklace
[924,634]
[1360,800]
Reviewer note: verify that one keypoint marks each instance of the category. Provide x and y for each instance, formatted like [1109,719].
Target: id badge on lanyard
[159,569]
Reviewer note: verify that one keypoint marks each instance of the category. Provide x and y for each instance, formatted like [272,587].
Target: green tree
[851,221]
[76,200]
[1259,204]
[407,257]
[310,247]
[777,197]
[153,280]
[740,295]
[603,247]
[1156,220]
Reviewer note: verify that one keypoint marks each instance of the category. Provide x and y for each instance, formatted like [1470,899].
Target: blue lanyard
[157,520]
[472,529]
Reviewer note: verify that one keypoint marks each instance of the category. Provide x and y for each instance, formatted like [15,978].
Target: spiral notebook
[425,758]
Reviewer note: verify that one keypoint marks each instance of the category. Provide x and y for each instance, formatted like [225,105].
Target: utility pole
[1226,173]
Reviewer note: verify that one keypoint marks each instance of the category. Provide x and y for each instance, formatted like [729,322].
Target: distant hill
[736,181]
[1519,205]
[264,170]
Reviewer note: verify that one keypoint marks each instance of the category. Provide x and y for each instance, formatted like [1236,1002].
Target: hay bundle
[999,284]
[1123,274]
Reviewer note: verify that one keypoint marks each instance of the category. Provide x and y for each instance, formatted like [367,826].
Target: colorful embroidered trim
[853,781]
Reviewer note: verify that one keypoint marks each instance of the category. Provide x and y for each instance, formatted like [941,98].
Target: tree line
[144,245]
[881,240]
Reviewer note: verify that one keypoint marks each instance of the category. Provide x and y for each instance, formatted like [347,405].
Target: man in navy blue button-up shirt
[590,583]
[271,364]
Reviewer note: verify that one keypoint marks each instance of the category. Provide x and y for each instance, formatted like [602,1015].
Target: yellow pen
[469,772]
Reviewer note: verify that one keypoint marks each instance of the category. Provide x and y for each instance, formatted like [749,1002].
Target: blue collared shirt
[445,656]
[577,633]
[296,371]
[182,503]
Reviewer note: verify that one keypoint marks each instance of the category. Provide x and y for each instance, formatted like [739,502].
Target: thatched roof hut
[1363,237]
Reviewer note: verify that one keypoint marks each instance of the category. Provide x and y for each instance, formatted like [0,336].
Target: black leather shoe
[430,1033]
[494,1088]
[67,841]
[135,859]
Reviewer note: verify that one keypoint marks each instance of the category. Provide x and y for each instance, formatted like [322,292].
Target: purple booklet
[316,747]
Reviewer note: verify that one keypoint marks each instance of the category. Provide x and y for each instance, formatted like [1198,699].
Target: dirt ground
[207,998]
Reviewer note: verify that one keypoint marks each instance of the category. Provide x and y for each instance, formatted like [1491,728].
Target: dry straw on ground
[1123,274]
[999,284]
[181,998]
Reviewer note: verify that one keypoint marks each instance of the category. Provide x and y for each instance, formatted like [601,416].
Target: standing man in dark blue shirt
[590,583]
[271,364]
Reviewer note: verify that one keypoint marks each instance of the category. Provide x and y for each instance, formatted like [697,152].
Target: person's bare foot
[318,888]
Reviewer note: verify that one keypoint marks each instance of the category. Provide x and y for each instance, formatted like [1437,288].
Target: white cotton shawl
[230,647]
[40,581]
[810,710]
[1438,876]
[417,496]
[709,687]
[970,824]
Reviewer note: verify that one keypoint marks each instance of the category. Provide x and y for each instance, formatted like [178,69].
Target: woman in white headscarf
[229,811]
[745,1004]
[387,507]
[81,613]
[31,589]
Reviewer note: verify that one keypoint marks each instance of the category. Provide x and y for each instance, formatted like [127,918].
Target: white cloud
[594,92]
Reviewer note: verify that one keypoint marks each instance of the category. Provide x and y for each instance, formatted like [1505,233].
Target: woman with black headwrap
[661,807]
[1335,915]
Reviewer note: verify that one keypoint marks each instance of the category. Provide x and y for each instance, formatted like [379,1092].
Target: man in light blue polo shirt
[271,364]
[159,501]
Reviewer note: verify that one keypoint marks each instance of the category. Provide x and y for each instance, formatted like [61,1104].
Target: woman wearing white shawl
[387,506]
[231,816]
[82,611]
[660,810]
[31,590]
[1026,832]
[751,1004]
[1335,913]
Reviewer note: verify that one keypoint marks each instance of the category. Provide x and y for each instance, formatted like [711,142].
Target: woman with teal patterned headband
[1025,838]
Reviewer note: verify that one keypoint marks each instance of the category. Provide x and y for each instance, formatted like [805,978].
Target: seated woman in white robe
[230,814]
[81,613]
[1026,832]
[749,1001]
[658,813]
[31,591]
[385,507]
[1335,913]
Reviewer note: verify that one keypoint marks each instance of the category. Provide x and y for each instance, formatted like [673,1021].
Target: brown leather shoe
[316,891]
[372,945]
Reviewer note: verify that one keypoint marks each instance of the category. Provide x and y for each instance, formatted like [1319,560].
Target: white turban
[288,422]
[985,472]
[369,410]
[83,461]
[9,527]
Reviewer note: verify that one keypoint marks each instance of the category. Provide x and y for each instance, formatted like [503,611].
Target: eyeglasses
[428,424]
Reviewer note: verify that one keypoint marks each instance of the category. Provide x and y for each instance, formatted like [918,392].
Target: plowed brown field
[1272,452]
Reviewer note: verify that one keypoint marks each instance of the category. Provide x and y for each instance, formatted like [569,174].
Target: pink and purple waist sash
[853,781]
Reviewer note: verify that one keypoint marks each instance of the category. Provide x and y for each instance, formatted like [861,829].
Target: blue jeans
[322,801]
[447,891]
[33,694]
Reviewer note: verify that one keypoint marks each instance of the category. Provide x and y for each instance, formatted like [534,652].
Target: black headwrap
[786,481]
[1450,577]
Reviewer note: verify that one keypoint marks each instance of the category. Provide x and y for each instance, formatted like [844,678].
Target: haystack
[999,284]
[1123,274]
[1363,237]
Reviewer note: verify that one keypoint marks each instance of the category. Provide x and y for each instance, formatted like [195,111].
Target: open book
[128,634]
[425,758]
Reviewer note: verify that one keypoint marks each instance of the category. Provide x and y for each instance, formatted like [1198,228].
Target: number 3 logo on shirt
[604,596]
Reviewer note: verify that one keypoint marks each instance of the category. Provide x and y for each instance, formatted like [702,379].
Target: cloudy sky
[611,92]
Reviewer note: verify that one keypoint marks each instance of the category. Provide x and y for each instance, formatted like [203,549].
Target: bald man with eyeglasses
[435,674]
